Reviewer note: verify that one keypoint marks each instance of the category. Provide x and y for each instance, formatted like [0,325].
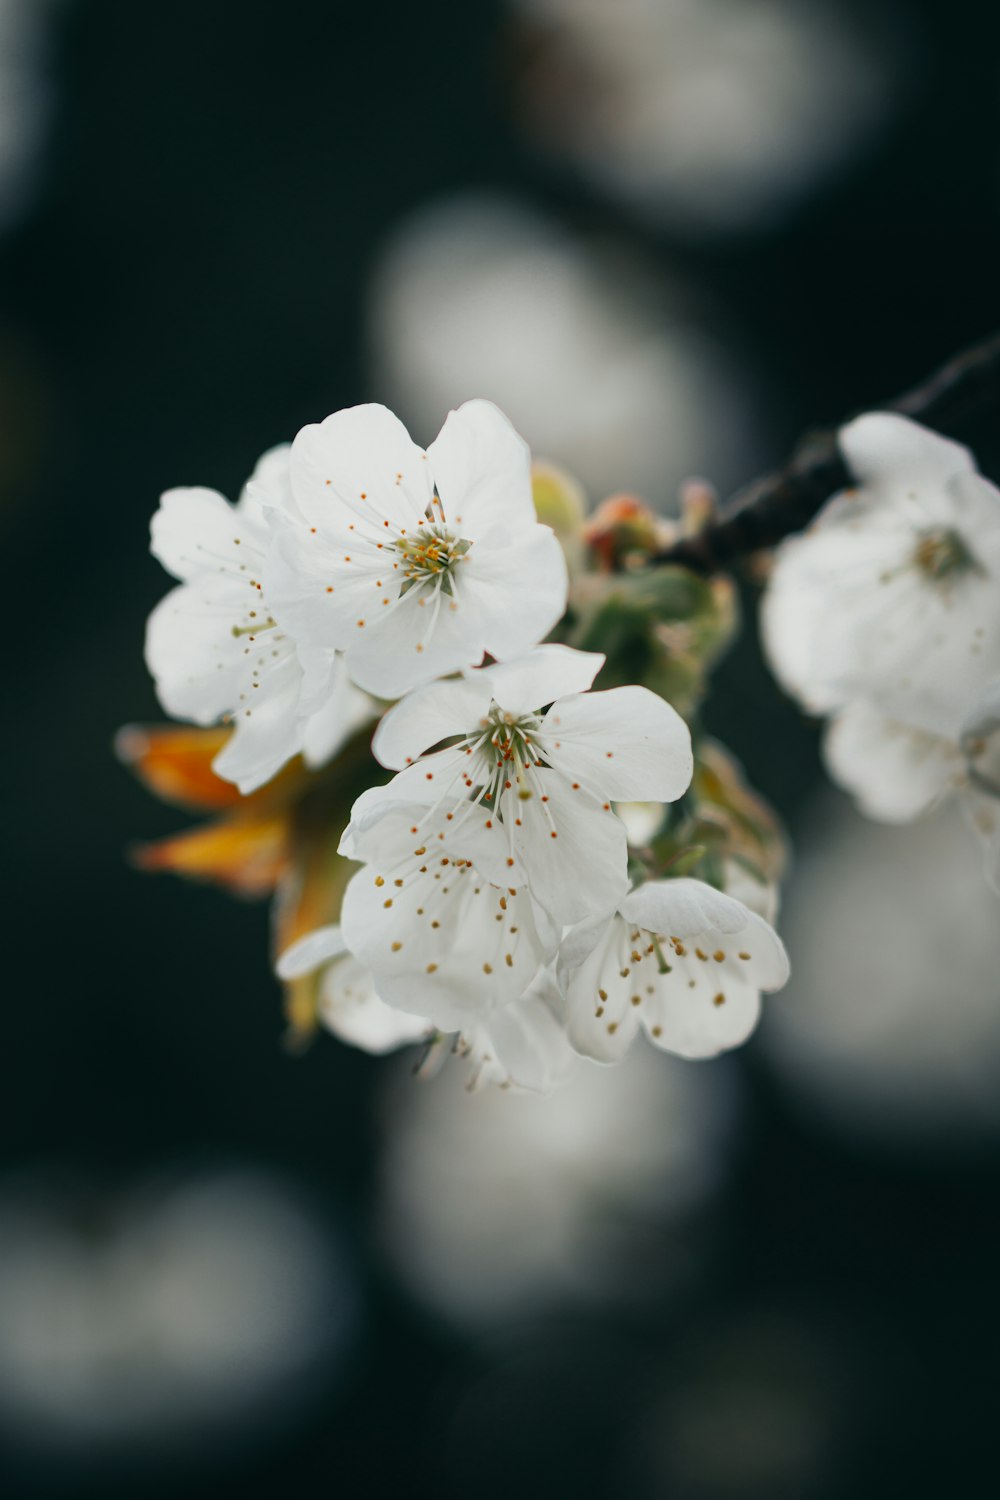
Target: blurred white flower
[498,1205]
[599,369]
[679,961]
[892,597]
[414,564]
[178,1315]
[708,115]
[886,615]
[891,1024]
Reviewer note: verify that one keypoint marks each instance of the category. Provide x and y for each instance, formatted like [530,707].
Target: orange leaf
[246,856]
[176,764]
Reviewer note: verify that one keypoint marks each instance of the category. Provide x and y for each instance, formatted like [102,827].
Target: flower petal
[685,961]
[572,850]
[482,471]
[626,743]
[524,1044]
[196,531]
[896,773]
[445,709]
[360,462]
[309,952]
[444,944]
[329,728]
[513,595]
[890,453]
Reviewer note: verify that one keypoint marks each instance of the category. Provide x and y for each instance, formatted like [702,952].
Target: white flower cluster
[492,906]
[885,616]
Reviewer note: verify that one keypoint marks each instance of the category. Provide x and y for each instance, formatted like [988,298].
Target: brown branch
[763,512]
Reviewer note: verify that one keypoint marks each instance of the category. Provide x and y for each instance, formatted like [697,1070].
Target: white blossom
[893,595]
[348,1004]
[523,1044]
[678,960]
[540,759]
[414,564]
[442,940]
[215,649]
[886,616]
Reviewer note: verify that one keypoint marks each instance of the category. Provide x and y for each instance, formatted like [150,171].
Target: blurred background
[665,236]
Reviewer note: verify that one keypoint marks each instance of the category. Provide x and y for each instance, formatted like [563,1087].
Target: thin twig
[763,512]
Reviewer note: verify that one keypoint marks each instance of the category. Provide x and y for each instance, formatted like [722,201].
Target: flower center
[431,555]
[507,755]
[941,553]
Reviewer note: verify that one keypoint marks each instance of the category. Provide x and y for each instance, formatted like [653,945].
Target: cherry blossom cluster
[496,908]
[885,617]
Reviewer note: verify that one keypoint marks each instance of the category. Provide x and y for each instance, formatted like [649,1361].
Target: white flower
[893,595]
[540,778]
[212,644]
[897,773]
[679,960]
[348,1004]
[442,940]
[415,564]
[523,1044]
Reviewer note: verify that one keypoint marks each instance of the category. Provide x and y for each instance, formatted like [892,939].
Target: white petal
[529,682]
[895,772]
[196,531]
[444,709]
[445,944]
[264,737]
[580,872]
[514,594]
[345,711]
[601,1021]
[524,1044]
[983,812]
[412,642]
[482,470]
[624,743]
[269,486]
[305,955]
[362,451]
[316,592]
[683,907]
[890,453]
[429,715]
[350,1007]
